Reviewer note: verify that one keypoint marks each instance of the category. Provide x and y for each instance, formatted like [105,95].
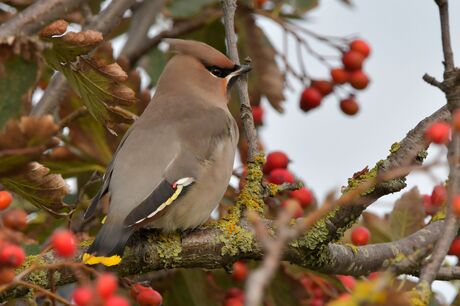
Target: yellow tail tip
[106,261]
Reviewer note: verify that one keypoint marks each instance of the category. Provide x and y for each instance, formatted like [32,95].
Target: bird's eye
[218,72]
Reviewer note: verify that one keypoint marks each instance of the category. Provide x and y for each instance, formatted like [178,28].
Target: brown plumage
[173,165]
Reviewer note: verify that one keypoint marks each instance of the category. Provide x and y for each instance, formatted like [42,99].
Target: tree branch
[445,33]
[36,16]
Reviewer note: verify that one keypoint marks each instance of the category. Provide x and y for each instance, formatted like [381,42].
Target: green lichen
[440,215]
[234,238]
[168,247]
[420,295]
[86,243]
[422,155]
[363,177]
[353,248]
[395,147]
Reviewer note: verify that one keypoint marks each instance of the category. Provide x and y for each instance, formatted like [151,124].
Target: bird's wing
[145,182]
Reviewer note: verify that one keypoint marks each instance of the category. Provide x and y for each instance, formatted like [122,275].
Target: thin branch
[36,16]
[432,81]
[229,8]
[445,33]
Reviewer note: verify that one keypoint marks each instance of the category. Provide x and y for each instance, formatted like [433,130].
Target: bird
[174,164]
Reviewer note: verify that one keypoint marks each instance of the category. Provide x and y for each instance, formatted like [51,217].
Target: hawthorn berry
[360,236]
[349,106]
[352,60]
[239,271]
[63,242]
[455,247]
[83,296]
[339,75]
[260,3]
[303,195]
[12,255]
[310,99]
[323,86]
[347,281]
[360,46]
[317,302]
[358,79]
[149,297]
[235,293]
[6,275]
[438,195]
[258,115]
[438,132]
[430,209]
[275,160]
[5,199]
[294,206]
[233,302]
[116,301]
[136,289]
[279,176]
[456,206]
[15,219]
[106,285]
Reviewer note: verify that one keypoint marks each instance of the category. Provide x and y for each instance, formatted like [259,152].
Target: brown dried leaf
[56,28]
[35,184]
[270,80]
[85,39]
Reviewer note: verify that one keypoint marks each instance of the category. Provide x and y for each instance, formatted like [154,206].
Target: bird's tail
[109,245]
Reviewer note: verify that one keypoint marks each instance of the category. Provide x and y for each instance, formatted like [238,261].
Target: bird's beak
[243,69]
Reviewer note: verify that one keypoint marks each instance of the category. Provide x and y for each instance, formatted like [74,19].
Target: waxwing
[174,164]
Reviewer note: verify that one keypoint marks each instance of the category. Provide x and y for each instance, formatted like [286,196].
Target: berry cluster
[102,293]
[351,72]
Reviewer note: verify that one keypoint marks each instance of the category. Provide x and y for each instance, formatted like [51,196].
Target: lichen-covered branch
[36,16]
[204,248]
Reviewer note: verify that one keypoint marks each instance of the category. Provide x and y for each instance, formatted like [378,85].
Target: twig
[72,116]
[432,81]
[36,16]
[229,8]
[44,291]
[445,34]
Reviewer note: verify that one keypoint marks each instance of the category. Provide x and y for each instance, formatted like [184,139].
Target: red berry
[430,209]
[455,247]
[347,281]
[149,297]
[360,46]
[106,285]
[340,75]
[317,302]
[258,115]
[374,275]
[360,236]
[82,296]
[275,160]
[15,219]
[294,206]
[438,132]
[63,242]
[352,60]
[12,255]
[310,99]
[359,80]
[456,206]
[323,86]
[136,289]
[6,275]
[349,106]
[235,293]
[456,120]
[260,3]
[5,199]
[233,302]
[279,176]
[438,195]
[303,195]
[116,301]
[239,271]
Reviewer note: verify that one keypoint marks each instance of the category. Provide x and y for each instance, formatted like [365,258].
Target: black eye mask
[221,72]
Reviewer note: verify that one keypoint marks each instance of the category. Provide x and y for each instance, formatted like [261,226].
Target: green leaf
[154,64]
[212,34]
[17,76]
[187,8]
[408,215]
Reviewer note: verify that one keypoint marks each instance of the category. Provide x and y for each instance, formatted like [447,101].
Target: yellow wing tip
[106,261]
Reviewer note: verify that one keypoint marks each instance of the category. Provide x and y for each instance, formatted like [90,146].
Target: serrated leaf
[35,184]
[268,77]
[408,215]
[379,228]
[98,83]
[17,77]
[187,8]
